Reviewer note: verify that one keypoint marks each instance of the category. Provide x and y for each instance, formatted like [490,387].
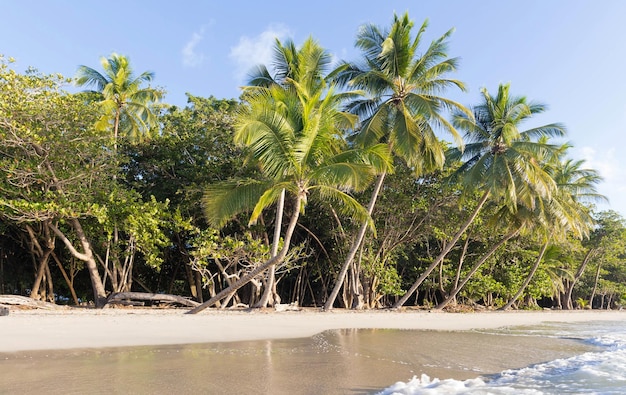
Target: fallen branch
[123,297]
[18,300]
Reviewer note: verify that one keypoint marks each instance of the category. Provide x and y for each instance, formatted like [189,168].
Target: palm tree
[501,160]
[292,67]
[128,110]
[514,224]
[295,131]
[403,105]
[576,186]
[127,106]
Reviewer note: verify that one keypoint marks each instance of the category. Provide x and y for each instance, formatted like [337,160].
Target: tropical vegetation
[323,185]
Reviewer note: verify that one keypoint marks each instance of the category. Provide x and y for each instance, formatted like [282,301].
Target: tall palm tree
[127,106]
[500,159]
[295,132]
[402,105]
[305,67]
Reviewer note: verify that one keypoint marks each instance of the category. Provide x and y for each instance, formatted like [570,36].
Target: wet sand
[334,362]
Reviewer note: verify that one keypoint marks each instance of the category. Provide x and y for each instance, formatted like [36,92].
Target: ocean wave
[600,372]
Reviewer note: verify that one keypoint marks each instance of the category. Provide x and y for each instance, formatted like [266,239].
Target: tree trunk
[595,286]
[69,282]
[259,269]
[457,276]
[356,244]
[443,253]
[269,294]
[474,269]
[86,256]
[533,270]
[43,255]
[569,305]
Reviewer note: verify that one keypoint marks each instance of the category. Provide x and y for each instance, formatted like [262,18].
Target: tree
[50,156]
[128,111]
[501,160]
[295,132]
[605,243]
[194,149]
[403,106]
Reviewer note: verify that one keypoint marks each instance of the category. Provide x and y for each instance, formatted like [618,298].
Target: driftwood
[17,300]
[128,298]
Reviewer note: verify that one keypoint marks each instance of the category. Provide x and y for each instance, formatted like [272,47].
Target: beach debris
[287,307]
[24,301]
[137,299]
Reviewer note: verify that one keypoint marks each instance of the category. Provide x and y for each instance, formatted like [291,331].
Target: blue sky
[568,54]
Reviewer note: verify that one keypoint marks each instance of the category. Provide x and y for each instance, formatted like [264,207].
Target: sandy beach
[87,328]
[162,351]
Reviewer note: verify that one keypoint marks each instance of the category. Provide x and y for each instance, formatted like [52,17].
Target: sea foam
[600,372]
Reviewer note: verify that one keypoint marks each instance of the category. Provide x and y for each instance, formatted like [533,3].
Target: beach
[89,328]
[261,351]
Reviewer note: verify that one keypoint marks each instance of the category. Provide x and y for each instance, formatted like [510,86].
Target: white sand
[81,328]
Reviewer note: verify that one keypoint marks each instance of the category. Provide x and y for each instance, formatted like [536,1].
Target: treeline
[323,186]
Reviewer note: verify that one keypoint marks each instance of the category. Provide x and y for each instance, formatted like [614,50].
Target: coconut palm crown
[127,105]
[402,105]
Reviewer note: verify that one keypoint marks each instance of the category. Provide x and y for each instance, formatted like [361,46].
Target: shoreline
[73,328]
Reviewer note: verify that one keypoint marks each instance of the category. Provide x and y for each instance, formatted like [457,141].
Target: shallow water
[600,372]
[333,362]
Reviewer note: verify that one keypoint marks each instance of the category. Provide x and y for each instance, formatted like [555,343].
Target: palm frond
[223,201]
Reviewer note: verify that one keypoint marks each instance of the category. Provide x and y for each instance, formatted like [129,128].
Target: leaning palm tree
[127,105]
[565,213]
[403,104]
[292,67]
[500,159]
[295,132]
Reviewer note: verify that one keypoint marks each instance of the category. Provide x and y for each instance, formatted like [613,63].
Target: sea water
[598,372]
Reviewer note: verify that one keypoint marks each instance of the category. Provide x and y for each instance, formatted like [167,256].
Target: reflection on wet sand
[339,362]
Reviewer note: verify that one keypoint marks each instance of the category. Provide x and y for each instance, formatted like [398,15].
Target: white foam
[602,372]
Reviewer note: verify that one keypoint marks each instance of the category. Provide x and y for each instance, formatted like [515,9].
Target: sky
[568,54]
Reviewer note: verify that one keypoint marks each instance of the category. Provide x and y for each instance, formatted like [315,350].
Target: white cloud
[191,57]
[605,163]
[251,51]
[614,174]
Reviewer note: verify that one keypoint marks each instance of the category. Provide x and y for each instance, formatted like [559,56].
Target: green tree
[50,156]
[605,245]
[402,106]
[500,159]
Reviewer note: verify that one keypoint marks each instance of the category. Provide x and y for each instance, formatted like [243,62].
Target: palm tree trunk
[530,276]
[569,305]
[595,286]
[443,253]
[355,245]
[259,269]
[270,283]
[474,269]
[457,276]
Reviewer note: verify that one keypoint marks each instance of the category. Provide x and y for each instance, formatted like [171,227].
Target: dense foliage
[110,191]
